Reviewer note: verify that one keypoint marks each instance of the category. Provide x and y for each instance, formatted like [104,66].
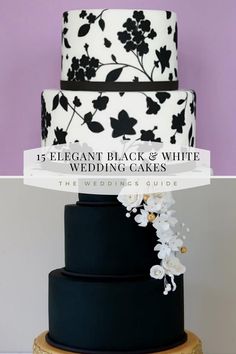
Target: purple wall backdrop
[30,61]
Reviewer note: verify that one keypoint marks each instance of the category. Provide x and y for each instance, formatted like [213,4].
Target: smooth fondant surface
[111,119]
[119,45]
[100,240]
[114,315]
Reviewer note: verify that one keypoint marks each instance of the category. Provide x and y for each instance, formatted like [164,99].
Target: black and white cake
[119,81]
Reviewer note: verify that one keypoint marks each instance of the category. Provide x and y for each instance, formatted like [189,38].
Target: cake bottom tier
[193,345]
[114,315]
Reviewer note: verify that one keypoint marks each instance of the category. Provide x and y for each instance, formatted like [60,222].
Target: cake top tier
[119,46]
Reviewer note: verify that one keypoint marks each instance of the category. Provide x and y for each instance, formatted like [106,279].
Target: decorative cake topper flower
[155,209]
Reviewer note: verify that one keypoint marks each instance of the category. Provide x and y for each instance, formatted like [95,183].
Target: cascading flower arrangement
[156,209]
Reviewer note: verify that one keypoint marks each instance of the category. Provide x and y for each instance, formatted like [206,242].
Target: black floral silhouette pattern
[193,104]
[65,17]
[123,126]
[176,35]
[45,119]
[163,56]
[82,111]
[153,107]
[101,103]
[60,136]
[91,19]
[107,43]
[83,69]
[178,120]
[148,135]
[163,96]
[136,37]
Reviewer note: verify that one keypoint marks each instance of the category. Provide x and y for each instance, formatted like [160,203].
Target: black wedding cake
[119,81]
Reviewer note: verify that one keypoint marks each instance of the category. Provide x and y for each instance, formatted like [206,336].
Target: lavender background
[30,61]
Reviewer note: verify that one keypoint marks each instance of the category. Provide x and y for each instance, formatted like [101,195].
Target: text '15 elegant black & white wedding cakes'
[119,81]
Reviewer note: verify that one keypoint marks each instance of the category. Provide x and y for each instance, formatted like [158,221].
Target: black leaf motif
[114,74]
[60,136]
[153,107]
[107,43]
[101,24]
[164,58]
[55,102]
[190,134]
[180,102]
[123,125]
[65,17]
[88,117]
[178,122]
[176,36]
[67,45]
[168,15]
[113,57]
[162,96]
[46,119]
[169,30]
[65,30]
[95,127]
[84,30]
[121,94]
[64,102]
[192,142]
[173,140]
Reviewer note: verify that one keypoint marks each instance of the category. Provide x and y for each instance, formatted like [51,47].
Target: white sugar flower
[167,201]
[173,265]
[153,204]
[142,219]
[163,250]
[157,272]
[130,201]
[161,223]
[175,243]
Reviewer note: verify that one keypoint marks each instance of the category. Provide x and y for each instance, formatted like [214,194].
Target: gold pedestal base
[192,346]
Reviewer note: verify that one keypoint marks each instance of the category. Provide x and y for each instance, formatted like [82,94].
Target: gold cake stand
[192,346]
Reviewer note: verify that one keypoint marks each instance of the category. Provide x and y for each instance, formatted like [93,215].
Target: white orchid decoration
[156,209]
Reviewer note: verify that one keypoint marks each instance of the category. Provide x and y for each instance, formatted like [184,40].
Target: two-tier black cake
[119,82]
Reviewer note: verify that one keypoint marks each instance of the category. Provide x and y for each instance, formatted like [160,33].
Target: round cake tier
[101,241]
[119,45]
[130,315]
[107,120]
[193,345]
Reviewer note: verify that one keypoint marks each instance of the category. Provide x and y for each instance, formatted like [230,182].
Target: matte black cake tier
[114,315]
[100,241]
[104,300]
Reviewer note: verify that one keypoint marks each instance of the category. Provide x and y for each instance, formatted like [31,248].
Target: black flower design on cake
[163,56]
[101,103]
[163,96]
[176,35]
[178,120]
[135,36]
[91,19]
[60,136]
[61,100]
[46,119]
[83,69]
[148,135]
[124,125]
[153,107]
[193,104]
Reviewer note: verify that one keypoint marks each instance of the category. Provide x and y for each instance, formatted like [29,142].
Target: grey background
[31,244]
